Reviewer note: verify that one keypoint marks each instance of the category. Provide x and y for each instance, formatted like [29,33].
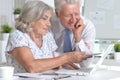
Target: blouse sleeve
[16,39]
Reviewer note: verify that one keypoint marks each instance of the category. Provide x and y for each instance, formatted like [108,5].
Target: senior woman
[31,47]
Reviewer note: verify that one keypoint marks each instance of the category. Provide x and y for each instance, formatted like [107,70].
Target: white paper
[106,4]
[35,75]
[47,75]
[97,17]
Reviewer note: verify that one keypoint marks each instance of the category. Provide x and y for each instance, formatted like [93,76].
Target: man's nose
[73,18]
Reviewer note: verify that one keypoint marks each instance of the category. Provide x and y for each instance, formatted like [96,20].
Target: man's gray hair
[59,3]
[31,11]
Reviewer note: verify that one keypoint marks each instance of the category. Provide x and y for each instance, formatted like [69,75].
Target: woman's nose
[48,23]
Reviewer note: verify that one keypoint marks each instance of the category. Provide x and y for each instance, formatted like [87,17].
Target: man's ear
[57,14]
[32,23]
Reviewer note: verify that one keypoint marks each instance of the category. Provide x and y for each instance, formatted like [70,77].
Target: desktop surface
[107,71]
[101,74]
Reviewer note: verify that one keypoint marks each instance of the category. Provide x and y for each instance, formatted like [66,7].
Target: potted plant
[5,30]
[17,12]
[117,51]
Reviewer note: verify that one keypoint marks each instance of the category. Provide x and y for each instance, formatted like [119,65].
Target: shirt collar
[61,26]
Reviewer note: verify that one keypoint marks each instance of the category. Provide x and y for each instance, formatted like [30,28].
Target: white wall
[51,3]
[6,12]
[19,3]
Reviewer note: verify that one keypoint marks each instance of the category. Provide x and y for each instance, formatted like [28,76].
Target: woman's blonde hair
[31,11]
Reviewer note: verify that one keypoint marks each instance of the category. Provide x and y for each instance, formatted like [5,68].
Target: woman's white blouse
[19,39]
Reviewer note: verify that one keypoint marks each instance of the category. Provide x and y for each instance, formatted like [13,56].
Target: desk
[105,72]
[110,64]
[109,70]
[100,74]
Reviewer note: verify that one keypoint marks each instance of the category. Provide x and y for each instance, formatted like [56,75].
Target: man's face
[69,14]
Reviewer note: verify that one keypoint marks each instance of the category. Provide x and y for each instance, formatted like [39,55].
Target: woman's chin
[44,33]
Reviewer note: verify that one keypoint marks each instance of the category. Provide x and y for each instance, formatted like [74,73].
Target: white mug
[6,72]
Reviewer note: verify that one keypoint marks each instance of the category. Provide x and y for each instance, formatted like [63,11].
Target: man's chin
[71,27]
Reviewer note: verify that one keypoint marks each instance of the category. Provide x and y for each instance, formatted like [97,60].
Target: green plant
[117,47]
[6,28]
[17,10]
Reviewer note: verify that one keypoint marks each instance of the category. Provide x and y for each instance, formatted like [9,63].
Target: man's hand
[78,29]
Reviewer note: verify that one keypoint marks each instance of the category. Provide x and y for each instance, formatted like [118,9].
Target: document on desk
[34,75]
[42,76]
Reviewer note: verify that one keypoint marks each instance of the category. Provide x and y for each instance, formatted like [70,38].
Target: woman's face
[40,27]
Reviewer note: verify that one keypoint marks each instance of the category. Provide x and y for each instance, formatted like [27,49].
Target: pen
[49,74]
[24,76]
[62,77]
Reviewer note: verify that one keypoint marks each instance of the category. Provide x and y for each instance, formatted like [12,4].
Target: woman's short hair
[59,3]
[31,11]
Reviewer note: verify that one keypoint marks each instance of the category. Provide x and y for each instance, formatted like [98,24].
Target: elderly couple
[37,43]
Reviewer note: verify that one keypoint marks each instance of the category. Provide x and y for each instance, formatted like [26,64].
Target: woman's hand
[77,57]
[71,66]
[68,66]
